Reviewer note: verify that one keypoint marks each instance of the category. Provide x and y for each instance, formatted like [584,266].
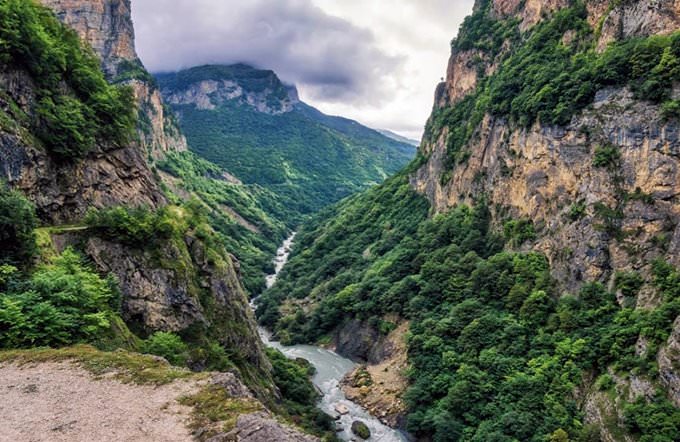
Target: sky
[376,61]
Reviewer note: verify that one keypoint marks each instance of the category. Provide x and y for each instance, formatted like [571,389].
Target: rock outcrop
[106,25]
[163,290]
[108,175]
[379,385]
[178,286]
[261,427]
[540,172]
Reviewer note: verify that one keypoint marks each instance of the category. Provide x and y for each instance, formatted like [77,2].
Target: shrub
[606,156]
[17,224]
[604,382]
[519,231]
[167,345]
[139,227]
[63,303]
[577,210]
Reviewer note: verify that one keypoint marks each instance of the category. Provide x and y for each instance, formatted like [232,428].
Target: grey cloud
[334,59]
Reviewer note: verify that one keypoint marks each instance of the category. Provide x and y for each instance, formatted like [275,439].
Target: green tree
[17,224]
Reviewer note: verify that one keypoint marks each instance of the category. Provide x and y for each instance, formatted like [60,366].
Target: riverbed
[330,369]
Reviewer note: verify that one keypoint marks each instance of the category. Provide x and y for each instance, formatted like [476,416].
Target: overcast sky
[377,61]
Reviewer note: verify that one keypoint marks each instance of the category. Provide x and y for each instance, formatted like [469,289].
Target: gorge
[330,369]
[516,281]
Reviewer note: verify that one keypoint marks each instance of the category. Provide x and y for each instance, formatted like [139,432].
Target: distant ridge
[397,137]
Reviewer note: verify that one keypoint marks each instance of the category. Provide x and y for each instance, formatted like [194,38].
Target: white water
[330,369]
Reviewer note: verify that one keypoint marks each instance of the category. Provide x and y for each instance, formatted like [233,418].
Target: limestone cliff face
[176,288]
[208,87]
[208,94]
[106,25]
[542,172]
[108,175]
[538,173]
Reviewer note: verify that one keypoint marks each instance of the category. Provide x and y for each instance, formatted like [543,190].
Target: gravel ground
[62,402]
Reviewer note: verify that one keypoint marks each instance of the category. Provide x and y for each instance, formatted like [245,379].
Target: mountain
[528,257]
[398,137]
[116,241]
[250,123]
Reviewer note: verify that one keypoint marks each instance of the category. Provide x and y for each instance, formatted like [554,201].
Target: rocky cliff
[108,175]
[106,25]
[539,172]
[593,216]
[63,190]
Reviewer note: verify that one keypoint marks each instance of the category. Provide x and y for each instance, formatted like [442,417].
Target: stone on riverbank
[361,429]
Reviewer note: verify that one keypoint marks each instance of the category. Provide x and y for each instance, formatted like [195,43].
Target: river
[330,369]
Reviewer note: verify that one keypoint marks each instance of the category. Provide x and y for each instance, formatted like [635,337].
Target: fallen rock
[341,408]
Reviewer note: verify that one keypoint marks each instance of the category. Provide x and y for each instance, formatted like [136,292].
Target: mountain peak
[209,86]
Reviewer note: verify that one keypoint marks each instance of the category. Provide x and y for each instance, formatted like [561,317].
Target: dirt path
[61,402]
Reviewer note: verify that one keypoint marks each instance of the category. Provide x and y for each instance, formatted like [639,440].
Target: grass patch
[215,411]
[125,366]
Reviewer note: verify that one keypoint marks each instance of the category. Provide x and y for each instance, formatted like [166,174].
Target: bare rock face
[379,385]
[634,19]
[108,175]
[106,25]
[209,94]
[261,427]
[165,289]
[542,172]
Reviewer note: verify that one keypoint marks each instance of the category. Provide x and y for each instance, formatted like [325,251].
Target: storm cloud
[333,58]
[377,61]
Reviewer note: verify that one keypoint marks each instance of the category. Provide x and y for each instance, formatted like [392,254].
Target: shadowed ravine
[330,369]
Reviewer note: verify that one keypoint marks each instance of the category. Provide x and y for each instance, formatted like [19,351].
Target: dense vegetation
[305,157]
[331,265]
[495,350]
[75,106]
[548,77]
[17,225]
[62,303]
[254,237]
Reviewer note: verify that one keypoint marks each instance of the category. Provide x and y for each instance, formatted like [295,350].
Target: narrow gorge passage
[330,369]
